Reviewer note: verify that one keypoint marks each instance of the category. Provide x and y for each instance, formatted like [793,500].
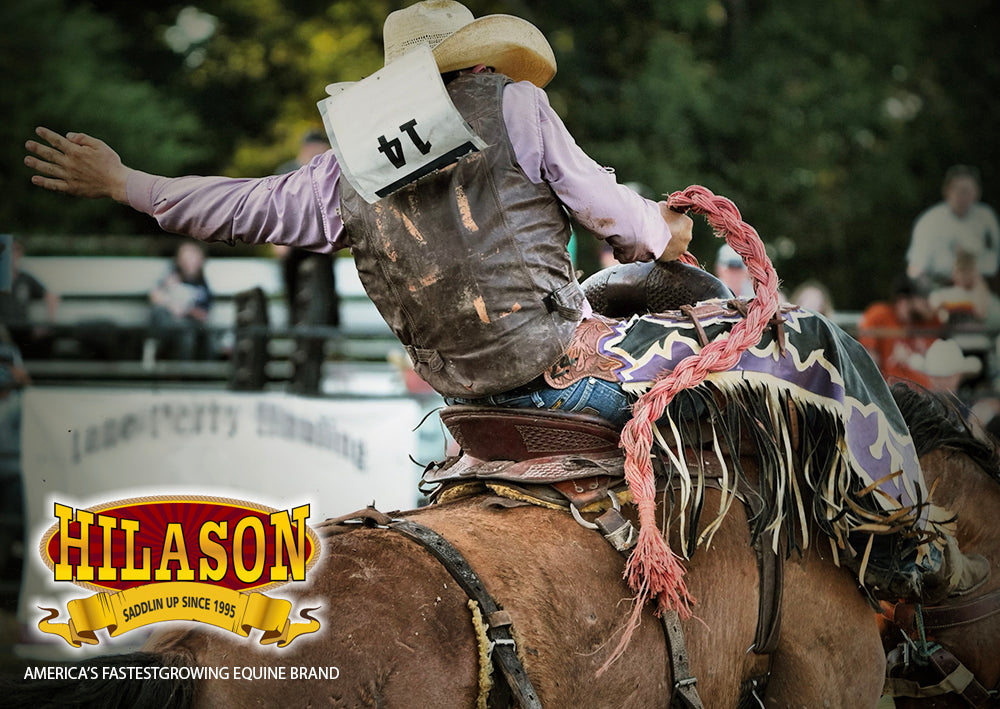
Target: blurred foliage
[829,124]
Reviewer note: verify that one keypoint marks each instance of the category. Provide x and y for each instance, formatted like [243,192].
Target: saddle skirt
[528,446]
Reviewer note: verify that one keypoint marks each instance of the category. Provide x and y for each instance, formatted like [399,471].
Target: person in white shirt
[959,223]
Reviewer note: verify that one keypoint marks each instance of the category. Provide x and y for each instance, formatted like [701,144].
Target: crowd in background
[938,325]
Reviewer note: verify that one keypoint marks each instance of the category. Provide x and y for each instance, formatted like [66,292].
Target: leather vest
[469,265]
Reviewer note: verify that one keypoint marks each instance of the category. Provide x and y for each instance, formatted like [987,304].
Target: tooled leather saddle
[560,449]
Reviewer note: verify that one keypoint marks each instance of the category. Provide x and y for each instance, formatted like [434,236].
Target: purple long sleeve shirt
[302,208]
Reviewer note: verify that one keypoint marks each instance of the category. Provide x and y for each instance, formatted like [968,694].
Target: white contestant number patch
[395,126]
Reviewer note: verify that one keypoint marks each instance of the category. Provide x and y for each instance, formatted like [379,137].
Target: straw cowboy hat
[512,46]
[944,358]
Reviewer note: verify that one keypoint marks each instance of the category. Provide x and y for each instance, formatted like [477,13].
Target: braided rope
[653,570]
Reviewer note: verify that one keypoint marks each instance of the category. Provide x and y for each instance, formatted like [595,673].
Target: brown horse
[400,632]
[966,473]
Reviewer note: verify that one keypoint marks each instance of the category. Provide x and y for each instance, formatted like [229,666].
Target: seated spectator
[968,303]
[894,331]
[960,222]
[181,304]
[815,296]
[32,339]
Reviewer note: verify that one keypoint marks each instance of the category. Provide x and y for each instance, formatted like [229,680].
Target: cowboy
[471,332]
[460,242]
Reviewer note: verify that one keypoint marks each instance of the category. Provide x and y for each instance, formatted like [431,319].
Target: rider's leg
[589,395]
[920,570]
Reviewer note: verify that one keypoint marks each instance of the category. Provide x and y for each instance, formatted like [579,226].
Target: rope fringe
[653,571]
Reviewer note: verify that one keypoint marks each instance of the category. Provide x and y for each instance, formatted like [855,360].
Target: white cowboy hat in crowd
[944,358]
[728,257]
[512,46]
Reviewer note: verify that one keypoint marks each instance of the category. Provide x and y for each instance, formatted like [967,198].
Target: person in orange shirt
[893,332]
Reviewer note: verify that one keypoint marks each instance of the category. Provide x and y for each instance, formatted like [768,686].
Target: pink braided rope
[653,570]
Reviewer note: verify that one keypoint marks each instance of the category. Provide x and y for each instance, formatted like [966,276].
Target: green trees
[64,68]
[830,124]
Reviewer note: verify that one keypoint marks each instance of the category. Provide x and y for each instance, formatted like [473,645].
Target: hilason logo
[155,559]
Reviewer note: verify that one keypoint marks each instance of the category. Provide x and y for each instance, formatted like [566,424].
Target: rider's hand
[78,165]
[680,230]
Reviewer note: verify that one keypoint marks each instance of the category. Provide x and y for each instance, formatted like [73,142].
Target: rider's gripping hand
[680,233]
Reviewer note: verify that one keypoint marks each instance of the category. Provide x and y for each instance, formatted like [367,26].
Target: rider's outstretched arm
[295,209]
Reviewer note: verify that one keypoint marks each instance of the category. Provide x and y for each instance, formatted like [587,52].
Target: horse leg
[830,654]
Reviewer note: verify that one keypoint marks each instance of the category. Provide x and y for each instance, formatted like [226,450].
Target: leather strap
[368,517]
[948,615]
[504,649]
[685,689]
[949,666]
[954,678]
[770,571]
[543,470]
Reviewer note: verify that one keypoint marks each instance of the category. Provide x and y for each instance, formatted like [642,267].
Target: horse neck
[966,489]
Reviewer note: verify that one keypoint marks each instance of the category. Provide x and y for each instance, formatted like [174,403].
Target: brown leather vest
[469,264]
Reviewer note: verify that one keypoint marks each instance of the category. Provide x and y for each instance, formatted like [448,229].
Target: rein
[653,571]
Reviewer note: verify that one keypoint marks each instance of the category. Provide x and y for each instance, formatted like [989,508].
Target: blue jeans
[587,396]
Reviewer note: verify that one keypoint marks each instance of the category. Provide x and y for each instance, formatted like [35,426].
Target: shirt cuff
[139,190]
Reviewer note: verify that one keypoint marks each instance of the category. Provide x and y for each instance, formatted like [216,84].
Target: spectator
[815,296]
[893,332]
[960,222]
[310,286]
[13,378]
[969,301]
[32,339]
[945,365]
[181,304]
[731,270]
[313,143]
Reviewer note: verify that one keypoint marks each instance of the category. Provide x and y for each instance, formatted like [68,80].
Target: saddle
[570,460]
[538,447]
[651,287]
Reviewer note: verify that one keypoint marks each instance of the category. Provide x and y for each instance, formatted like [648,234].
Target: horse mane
[936,423]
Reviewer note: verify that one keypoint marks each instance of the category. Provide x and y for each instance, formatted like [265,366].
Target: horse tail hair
[152,681]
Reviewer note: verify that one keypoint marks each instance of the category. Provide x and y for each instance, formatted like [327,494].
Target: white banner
[85,447]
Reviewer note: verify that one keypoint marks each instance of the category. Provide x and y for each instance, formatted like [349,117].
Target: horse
[964,472]
[401,633]
[401,630]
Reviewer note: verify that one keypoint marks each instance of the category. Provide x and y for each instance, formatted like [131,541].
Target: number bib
[395,126]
